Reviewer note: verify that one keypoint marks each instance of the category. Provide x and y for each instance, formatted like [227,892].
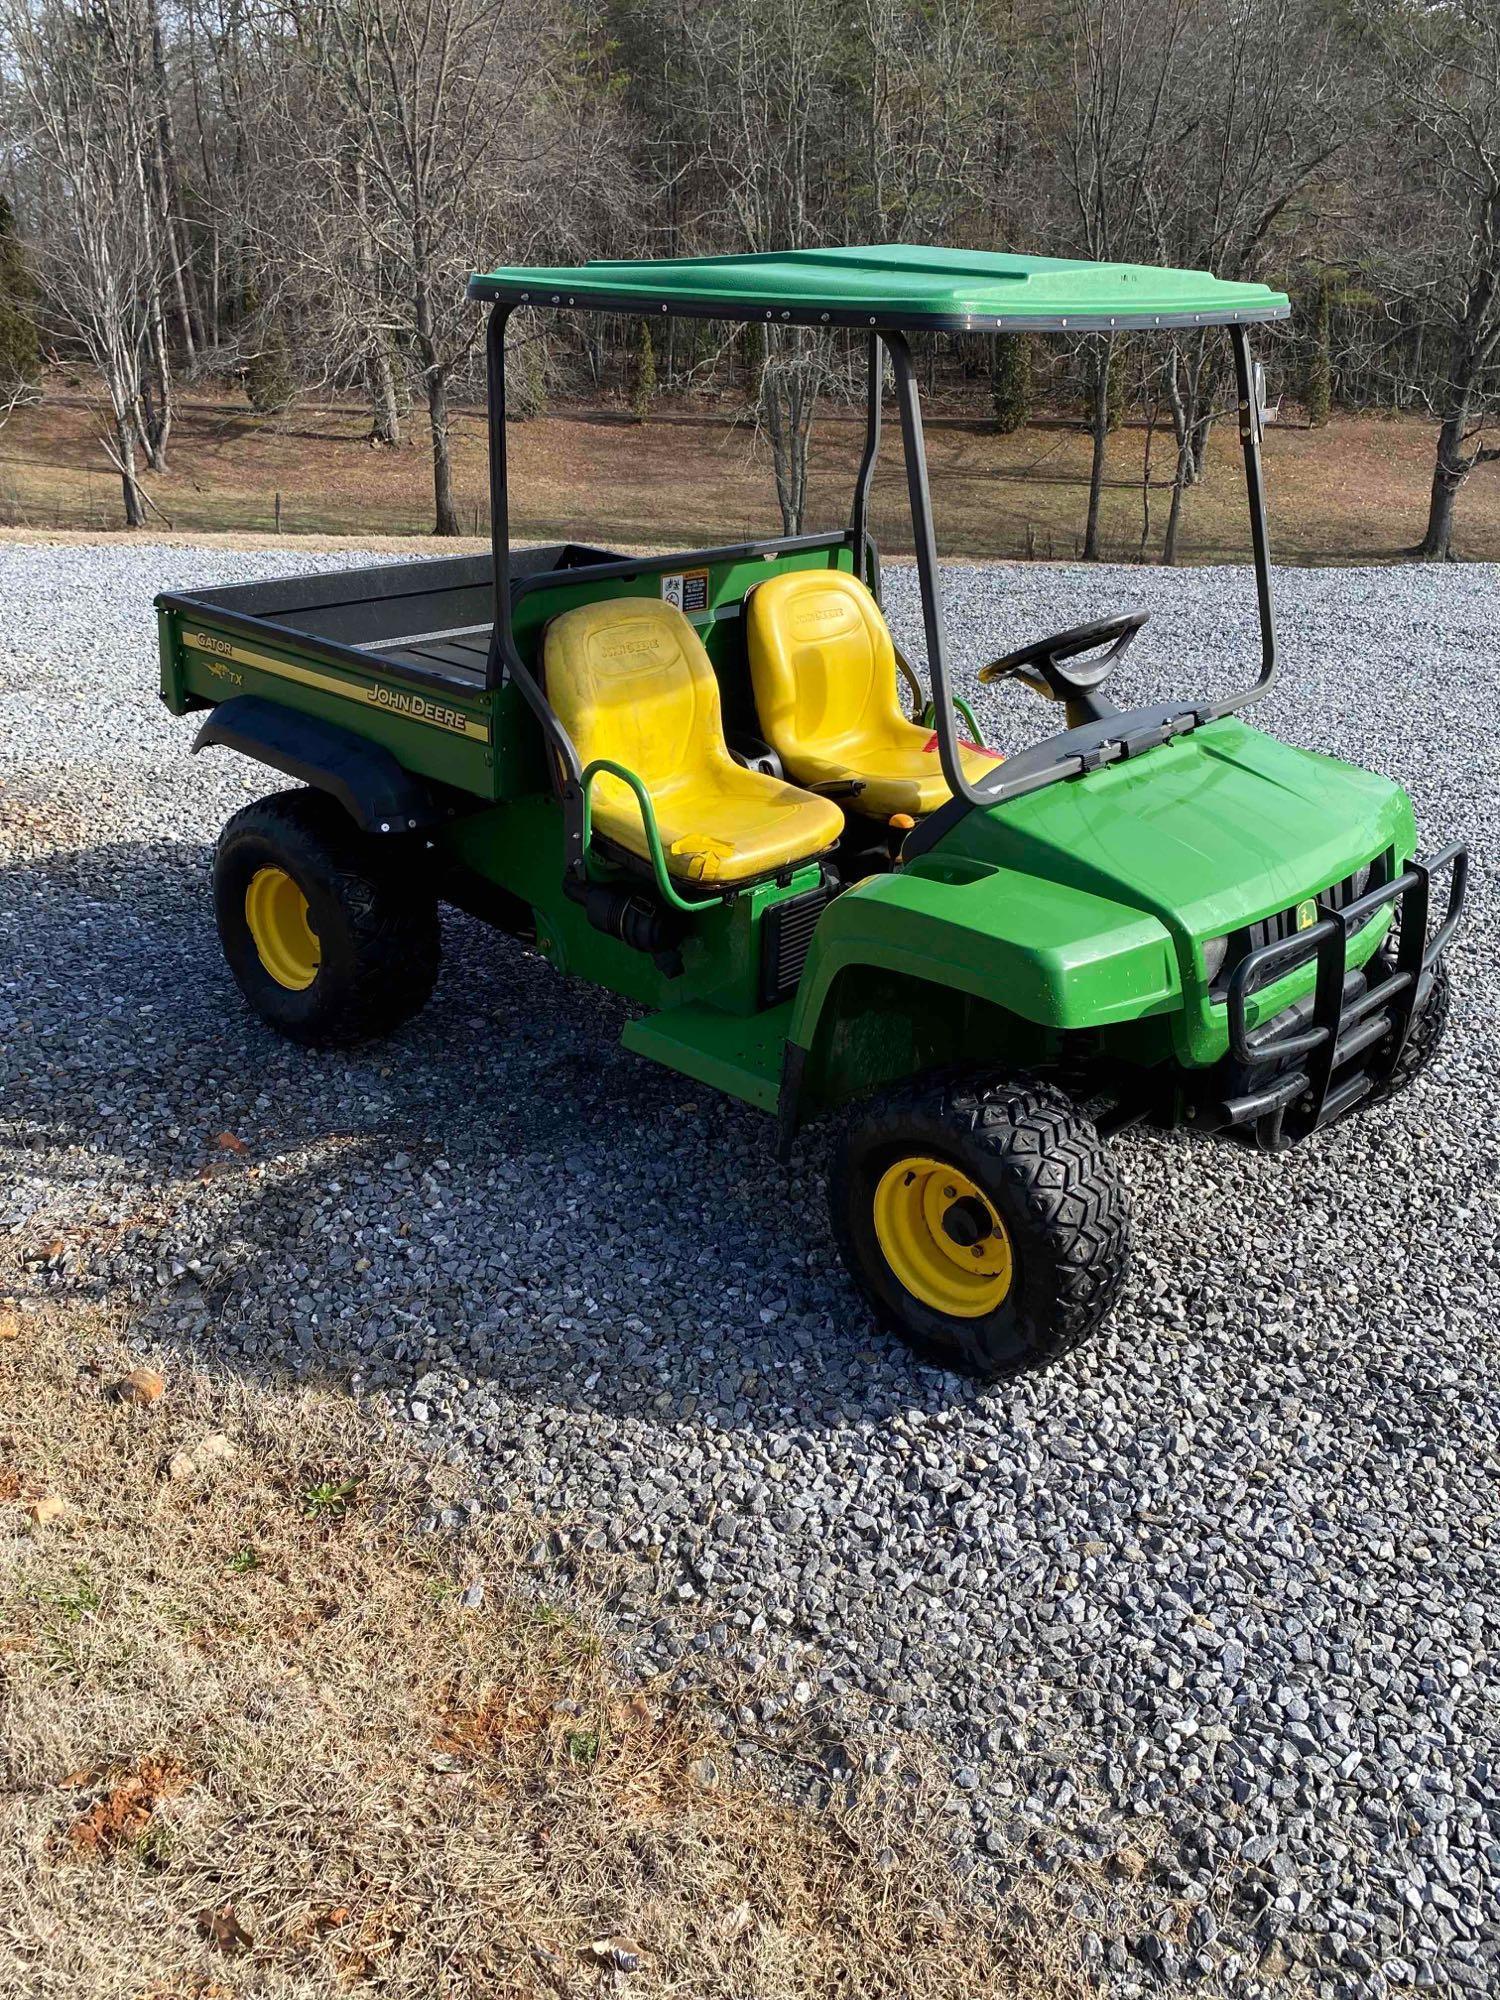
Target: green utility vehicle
[710,783]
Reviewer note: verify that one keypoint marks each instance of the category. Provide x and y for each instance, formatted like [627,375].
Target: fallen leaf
[10,1483]
[181,1465]
[215,1445]
[10,1322]
[140,1387]
[120,1815]
[223,1928]
[738,1920]
[55,1249]
[46,1509]
[231,1142]
[604,1951]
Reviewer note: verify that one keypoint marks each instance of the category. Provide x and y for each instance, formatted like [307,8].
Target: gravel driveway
[1214,1604]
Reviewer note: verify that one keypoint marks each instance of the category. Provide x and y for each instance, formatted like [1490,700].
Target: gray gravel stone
[1219,1590]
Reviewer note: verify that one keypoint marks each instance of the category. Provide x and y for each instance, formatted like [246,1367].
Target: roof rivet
[822,316]
[872,319]
[556,299]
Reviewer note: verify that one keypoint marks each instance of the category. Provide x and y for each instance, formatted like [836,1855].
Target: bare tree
[101,257]
[1444,65]
[1123,58]
[758,78]
[456,113]
[1263,106]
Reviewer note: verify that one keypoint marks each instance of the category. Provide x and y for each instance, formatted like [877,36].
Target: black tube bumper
[1317,1059]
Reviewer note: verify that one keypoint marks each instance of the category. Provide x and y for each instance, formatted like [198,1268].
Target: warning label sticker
[687,589]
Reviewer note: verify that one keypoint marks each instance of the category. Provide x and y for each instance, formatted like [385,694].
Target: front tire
[1425,1039]
[330,933]
[982,1218]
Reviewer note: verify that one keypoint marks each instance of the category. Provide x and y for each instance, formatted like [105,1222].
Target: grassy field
[1352,493]
[261,1736]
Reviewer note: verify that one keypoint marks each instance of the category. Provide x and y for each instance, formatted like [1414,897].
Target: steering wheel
[1041,664]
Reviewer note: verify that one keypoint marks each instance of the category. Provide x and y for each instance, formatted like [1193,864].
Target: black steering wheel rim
[1048,655]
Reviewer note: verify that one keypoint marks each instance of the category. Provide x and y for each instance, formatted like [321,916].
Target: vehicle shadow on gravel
[499,1191]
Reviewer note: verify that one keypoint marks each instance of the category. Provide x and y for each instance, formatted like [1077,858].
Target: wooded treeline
[290,194]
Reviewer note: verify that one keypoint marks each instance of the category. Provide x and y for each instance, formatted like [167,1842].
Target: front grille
[1283,923]
[786,933]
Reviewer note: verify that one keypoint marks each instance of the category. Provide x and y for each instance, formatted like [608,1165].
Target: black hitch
[1318,1059]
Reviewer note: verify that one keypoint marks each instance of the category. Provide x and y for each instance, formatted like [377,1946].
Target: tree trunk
[1181,472]
[445,514]
[385,414]
[435,382]
[184,285]
[135,512]
[156,396]
[1099,425]
[1450,469]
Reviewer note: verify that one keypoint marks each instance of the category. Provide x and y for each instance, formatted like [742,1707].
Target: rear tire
[330,933]
[982,1218]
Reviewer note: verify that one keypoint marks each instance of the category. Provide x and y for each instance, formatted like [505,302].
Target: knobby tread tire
[1049,1177]
[376,920]
[1427,1032]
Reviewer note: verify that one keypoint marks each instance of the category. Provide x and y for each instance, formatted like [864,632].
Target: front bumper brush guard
[1307,1064]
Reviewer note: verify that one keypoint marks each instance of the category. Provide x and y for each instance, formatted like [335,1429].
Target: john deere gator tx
[711,783]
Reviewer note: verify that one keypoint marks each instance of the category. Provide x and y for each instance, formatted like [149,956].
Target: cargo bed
[399,655]
[429,619]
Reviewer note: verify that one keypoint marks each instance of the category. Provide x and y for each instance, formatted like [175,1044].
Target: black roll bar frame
[1119,736]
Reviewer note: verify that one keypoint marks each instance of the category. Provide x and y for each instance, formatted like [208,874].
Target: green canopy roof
[893,285]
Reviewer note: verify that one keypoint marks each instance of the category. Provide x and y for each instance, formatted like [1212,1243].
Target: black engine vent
[786,932]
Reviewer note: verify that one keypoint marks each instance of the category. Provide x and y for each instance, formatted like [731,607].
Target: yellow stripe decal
[379,694]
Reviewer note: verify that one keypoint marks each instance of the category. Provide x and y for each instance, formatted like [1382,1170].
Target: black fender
[377,792]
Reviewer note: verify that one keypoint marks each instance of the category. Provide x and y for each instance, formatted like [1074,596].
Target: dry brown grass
[1353,492]
[253,1743]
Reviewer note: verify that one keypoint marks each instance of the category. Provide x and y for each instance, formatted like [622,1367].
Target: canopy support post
[499,494]
[859,521]
[505,662]
[1250,434]
[934,625]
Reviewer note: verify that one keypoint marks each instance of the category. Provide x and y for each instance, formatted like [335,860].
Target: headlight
[1213,957]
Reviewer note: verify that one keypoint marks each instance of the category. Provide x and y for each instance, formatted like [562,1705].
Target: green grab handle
[653,837]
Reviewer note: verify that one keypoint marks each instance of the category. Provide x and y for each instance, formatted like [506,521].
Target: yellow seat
[630,680]
[824,670]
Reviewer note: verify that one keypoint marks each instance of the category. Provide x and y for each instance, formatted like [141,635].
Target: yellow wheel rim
[276,911]
[942,1237]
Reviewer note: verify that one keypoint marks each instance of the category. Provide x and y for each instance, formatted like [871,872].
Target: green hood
[1208,833]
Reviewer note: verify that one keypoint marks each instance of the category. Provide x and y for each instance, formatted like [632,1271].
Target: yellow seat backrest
[823,663]
[630,680]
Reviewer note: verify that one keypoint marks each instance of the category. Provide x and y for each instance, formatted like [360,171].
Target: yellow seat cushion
[824,668]
[630,680]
